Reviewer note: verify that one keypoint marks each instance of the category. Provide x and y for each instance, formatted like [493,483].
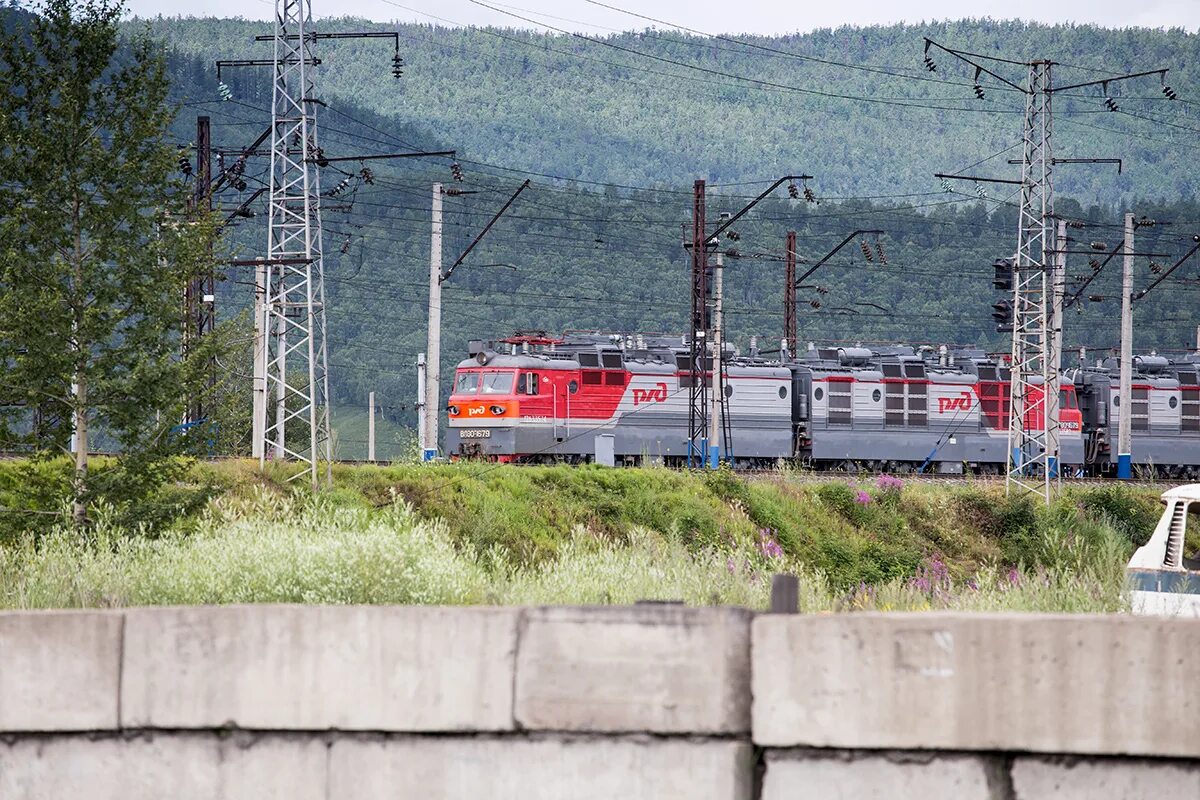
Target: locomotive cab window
[497,383]
[466,383]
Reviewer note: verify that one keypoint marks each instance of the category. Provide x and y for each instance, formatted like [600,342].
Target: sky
[750,16]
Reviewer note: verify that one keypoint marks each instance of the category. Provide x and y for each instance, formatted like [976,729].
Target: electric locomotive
[539,399]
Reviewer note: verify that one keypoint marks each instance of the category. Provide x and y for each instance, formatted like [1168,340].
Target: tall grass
[263,546]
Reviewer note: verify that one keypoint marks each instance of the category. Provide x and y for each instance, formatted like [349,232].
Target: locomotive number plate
[476,433]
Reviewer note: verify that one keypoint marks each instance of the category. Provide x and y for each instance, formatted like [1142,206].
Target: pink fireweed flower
[889,483]
[862,498]
[767,544]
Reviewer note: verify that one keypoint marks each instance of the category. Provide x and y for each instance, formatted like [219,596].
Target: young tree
[96,243]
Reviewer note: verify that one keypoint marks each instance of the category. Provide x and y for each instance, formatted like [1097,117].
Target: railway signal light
[1002,314]
[1003,277]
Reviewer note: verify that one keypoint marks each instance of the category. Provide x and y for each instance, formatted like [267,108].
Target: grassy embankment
[474,534]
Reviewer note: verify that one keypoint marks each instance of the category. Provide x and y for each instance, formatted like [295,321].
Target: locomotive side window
[611,360]
[1190,394]
[497,383]
[906,404]
[892,371]
[614,379]
[528,383]
[589,359]
[466,383]
[841,403]
[1140,408]
[592,377]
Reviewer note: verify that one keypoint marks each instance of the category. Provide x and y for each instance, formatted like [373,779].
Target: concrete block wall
[633,702]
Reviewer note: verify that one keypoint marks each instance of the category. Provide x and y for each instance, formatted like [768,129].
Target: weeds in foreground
[266,547]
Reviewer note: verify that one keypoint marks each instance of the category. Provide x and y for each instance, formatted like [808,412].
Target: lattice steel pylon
[698,358]
[1032,454]
[296,380]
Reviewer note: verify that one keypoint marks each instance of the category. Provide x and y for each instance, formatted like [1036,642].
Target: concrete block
[320,667]
[652,668]
[582,768]
[1054,684]
[829,776]
[1103,779]
[179,766]
[59,670]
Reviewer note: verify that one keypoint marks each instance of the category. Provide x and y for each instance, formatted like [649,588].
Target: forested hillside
[603,250]
[563,105]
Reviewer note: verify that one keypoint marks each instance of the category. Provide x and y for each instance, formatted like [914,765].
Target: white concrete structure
[1009,682]
[319,667]
[1164,581]
[495,768]
[654,702]
[59,670]
[659,669]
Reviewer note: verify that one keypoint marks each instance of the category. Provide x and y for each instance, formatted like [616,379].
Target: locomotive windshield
[466,383]
[497,383]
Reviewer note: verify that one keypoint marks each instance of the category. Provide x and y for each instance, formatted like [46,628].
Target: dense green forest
[612,142]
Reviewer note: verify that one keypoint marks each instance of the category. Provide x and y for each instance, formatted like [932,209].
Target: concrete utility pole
[1053,392]
[371,426]
[258,436]
[714,428]
[421,403]
[1124,401]
[433,346]
[789,295]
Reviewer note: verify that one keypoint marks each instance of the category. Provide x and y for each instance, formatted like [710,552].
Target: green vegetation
[97,244]
[595,252]
[478,534]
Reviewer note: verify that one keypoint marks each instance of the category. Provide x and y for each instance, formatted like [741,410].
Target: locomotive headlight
[452,410]
[497,410]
